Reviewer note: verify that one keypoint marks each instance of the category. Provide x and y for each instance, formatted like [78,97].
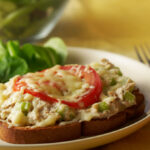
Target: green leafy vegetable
[59,46]
[34,2]
[24,18]
[12,66]
[18,60]
[3,51]
[35,57]
[13,48]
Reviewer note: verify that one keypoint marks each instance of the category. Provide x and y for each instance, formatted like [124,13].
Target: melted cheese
[63,85]
[50,120]
[57,83]
[17,117]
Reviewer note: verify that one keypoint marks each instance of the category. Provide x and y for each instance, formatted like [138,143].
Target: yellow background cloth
[111,25]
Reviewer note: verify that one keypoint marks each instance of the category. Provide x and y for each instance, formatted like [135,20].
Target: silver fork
[143,53]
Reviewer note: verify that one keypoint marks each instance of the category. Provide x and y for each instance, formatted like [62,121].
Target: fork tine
[138,55]
[144,53]
[148,48]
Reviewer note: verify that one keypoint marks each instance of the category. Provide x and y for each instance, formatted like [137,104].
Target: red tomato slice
[88,98]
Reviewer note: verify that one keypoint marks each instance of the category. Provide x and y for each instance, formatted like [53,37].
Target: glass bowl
[28,20]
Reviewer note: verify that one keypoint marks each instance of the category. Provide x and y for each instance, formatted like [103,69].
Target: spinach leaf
[35,2]
[18,60]
[59,47]
[35,58]
[52,55]
[13,48]
[38,57]
[11,66]
[10,63]
[3,50]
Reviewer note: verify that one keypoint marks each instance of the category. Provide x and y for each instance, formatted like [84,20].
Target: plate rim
[147,117]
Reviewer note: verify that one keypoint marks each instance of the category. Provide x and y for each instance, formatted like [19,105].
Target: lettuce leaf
[18,60]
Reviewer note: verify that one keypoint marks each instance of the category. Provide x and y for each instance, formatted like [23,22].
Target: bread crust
[99,126]
[27,135]
[24,135]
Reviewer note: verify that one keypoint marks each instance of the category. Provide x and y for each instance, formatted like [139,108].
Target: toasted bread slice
[99,126]
[26,135]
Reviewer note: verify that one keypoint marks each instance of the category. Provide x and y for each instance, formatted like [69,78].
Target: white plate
[137,71]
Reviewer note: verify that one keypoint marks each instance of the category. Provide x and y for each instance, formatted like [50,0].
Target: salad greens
[25,18]
[31,2]
[18,60]
[60,47]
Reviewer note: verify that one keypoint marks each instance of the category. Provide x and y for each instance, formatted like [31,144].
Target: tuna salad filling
[38,99]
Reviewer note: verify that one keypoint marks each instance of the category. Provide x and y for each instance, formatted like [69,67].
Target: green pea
[25,107]
[62,110]
[103,106]
[128,96]
[113,82]
[62,114]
